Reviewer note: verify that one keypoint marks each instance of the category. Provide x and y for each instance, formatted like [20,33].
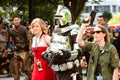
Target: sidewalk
[4,77]
[22,77]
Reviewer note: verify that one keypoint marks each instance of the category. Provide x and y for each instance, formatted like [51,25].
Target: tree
[107,15]
[14,7]
[75,6]
[44,9]
[115,19]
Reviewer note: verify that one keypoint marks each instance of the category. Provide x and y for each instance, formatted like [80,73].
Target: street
[22,78]
[4,77]
[10,78]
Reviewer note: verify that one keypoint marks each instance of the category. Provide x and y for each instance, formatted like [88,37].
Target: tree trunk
[75,7]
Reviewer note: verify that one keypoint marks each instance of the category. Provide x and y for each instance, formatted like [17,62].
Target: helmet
[63,14]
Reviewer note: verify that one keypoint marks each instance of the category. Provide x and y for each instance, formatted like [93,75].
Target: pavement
[5,77]
[22,77]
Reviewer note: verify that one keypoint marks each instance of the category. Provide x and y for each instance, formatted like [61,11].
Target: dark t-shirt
[116,43]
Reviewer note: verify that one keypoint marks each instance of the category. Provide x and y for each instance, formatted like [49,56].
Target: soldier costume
[61,55]
[108,59]
[21,40]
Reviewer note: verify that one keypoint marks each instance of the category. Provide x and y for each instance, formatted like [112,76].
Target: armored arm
[58,57]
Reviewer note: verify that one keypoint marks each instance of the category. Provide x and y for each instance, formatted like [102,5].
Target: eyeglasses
[97,32]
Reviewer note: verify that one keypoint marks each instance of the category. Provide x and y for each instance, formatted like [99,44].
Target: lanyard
[36,45]
[99,65]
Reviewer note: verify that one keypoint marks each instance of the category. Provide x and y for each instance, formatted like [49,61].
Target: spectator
[4,62]
[49,27]
[116,40]
[3,38]
[102,21]
[116,43]
[88,37]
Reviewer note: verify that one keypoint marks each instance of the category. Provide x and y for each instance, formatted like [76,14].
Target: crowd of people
[21,49]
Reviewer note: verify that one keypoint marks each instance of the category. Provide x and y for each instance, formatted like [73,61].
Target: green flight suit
[108,60]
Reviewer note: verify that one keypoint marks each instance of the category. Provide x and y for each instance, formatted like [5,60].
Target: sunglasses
[97,32]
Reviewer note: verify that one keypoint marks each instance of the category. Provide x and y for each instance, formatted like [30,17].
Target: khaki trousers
[19,63]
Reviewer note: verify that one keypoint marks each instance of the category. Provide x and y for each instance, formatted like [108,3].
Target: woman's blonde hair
[105,31]
[42,24]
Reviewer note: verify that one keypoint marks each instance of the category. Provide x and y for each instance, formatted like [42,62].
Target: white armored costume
[63,51]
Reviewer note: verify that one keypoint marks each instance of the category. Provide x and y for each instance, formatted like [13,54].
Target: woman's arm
[47,39]
[79,38]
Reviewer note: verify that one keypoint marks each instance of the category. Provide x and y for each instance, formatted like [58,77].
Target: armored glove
[48,56]
[59,57]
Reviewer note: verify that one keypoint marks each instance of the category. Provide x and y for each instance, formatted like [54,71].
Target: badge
[99,77]
[39,66]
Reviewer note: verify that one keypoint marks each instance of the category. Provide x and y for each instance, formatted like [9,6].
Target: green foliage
[107,15]
[97,1]
[115,19]
[2,14]
[78,21]
[44,9]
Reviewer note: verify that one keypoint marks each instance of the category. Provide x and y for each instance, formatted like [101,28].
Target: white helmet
[64,15]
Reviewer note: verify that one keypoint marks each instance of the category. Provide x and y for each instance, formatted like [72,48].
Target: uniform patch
[116,56]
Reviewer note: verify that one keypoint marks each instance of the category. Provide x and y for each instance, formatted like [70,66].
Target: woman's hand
[83,63]
[116,74]
[85,23]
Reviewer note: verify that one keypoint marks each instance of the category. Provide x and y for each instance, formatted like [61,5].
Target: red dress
[46,73]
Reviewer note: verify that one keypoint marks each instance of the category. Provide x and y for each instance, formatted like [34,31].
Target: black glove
[61,56]
[48,56]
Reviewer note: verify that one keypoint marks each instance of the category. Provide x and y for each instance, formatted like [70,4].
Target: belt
[66,66]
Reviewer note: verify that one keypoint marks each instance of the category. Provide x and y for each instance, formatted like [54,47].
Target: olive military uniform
[108,60]
[21,39]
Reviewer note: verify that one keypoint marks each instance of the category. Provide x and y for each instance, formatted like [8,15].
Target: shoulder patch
[116,56]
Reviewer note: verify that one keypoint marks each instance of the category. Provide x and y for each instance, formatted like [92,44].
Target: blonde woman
[40,43]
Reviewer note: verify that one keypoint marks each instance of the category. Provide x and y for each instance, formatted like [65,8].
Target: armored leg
[80,72]
[67,75]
